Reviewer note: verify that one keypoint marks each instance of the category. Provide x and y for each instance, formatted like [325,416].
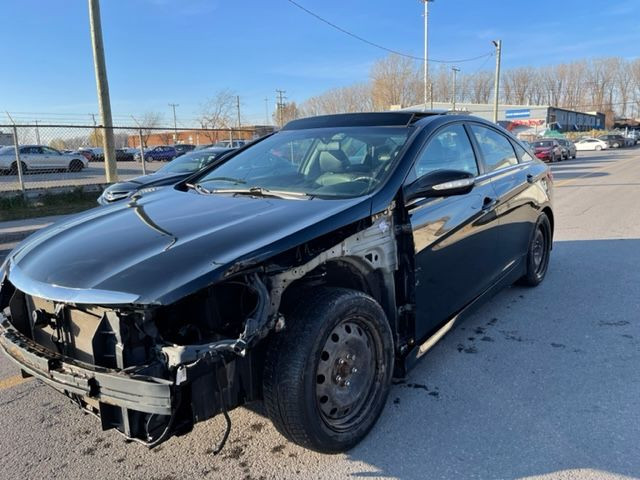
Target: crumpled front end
[149,372]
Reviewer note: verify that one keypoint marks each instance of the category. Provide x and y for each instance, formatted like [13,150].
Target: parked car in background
[634,135]
[40,157]
[183,148]
[161,152]
[589,143]
[126,154]
[176,170]
[230,144]
[568,148]
[613,140]
[547,149]
[93,154]
[303,272]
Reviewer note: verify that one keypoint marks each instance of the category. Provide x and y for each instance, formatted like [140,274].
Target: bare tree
[480,87]
[289,111]
[353,98]
[218,111]
[394,81]
[148,122]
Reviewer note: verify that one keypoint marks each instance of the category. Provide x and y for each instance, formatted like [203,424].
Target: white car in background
[590,144]
[40,157]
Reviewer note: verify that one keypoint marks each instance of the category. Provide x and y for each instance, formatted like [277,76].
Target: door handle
[531,178]
[488,203]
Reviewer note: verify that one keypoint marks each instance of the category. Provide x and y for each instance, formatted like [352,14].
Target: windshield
[543,144]
[327,162]
[191,162]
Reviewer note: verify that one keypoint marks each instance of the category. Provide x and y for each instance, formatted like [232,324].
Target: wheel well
[549,214]
[346,272]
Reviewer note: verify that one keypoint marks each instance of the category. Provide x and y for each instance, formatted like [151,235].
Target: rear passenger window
[523,155]
[450,149]
[496,148]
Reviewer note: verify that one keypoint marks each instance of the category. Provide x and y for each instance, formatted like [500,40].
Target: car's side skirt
[508,278]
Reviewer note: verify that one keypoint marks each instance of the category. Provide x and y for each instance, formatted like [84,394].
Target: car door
[37,158]
[54,159]
[454,237]
[515,184]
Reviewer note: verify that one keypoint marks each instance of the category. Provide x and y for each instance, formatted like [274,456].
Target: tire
[14,168]
[616,145]
[76,166]
[328,374]
[538,253]
[598,148]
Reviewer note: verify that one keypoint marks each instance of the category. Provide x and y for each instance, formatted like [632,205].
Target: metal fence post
[230,138]
[18,161]
[142,159]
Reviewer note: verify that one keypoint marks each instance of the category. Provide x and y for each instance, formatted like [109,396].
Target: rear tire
[76,166]
[538,253]
[327,375]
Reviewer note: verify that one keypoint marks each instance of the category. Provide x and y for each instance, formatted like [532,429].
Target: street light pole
[455,72]
[175,123]
[425,62]
[496,83]
[103,91]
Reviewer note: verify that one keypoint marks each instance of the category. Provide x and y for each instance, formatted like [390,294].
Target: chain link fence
[37,157]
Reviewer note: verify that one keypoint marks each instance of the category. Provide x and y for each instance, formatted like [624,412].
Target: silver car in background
[40,157]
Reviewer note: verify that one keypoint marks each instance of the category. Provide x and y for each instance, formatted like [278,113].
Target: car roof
[370,119]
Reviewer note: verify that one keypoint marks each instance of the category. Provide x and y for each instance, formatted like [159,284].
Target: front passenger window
[450,149]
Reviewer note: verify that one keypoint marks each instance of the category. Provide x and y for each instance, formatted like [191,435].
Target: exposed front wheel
[598,148]
[327,375]
[538,253]
[14,168]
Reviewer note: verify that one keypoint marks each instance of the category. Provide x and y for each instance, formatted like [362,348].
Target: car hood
[157,178]
[167,244]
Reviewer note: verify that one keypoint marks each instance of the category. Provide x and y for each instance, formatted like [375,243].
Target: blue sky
[182,51]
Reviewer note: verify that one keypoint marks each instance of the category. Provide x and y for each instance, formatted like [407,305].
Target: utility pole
[238,109]
[37,133]
[426,52]
[175,122]
[281,98]
[266,111]
[455,73]
[102,84]
[496,83]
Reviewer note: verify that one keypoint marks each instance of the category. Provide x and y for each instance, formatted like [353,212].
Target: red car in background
[547,150]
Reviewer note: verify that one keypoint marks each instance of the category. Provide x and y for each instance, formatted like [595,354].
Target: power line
[382,47]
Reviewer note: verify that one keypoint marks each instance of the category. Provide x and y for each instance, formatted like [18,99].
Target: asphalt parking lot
[538,383]
[92,175]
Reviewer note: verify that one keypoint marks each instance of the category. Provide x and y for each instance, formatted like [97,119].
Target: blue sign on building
[517,113]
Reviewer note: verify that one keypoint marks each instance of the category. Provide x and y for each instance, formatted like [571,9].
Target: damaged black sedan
[303,272]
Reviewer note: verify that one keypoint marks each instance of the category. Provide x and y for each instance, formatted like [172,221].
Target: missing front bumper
[127,390]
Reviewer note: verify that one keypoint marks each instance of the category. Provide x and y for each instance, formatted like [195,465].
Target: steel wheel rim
[347,373]
[539,251]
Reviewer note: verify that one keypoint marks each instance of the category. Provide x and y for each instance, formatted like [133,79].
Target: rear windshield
[543,143]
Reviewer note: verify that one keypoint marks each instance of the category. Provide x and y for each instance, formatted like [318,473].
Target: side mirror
[441,183]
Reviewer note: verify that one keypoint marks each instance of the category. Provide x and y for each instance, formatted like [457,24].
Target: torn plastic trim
[257,326]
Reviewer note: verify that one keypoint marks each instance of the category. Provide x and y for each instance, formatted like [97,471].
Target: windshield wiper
[226,179]
[262,192]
